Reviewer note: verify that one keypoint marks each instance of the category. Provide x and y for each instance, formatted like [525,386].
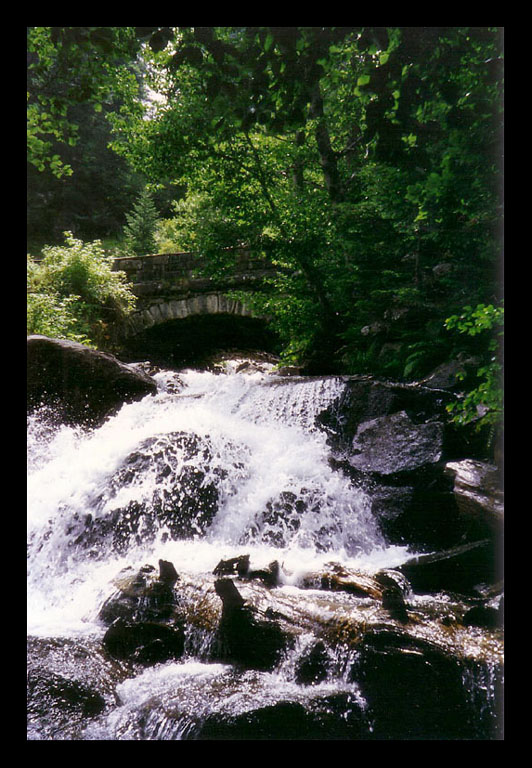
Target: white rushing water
[275,495]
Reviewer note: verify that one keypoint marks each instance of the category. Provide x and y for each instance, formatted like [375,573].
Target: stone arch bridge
[170,288]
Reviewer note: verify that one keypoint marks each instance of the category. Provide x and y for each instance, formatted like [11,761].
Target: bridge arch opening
[194,341]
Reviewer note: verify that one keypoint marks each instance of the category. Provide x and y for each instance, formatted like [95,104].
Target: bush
[74,294]
[50,315]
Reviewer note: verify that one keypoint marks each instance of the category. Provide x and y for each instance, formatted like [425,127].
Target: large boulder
[144,642]
[144,617]
[394,443]
[143,595]
[365,399]
[397,441]
[414,691]
[84,386]
[182,474]
[449,375]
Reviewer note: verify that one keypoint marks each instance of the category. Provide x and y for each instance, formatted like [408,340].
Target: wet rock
[365,399]
[183,498]
[478,492]
[229,595]
[144,642]
[391,444]
[234,566]
[313,666]
[243,637]
[484,616]
[145,366]
[69,682]
[289,370]
[269,576]
[394,602]
[58,707]
[332,717]
[84,386]
[240,566]
[390,577]
[419,509]
[281,518]
[182,473]
[167,573]
[393,441]
[142,596]
[449,375]
[414,691]
[144,617]
[464,569]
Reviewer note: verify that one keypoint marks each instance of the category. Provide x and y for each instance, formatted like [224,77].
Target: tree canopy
[364,162]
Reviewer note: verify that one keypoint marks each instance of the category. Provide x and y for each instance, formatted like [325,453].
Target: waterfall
[254,456]
[212,467]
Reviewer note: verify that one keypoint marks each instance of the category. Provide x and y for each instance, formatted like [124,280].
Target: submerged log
[465,569]
[337,578]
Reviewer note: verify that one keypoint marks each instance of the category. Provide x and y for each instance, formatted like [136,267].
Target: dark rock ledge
[82,385]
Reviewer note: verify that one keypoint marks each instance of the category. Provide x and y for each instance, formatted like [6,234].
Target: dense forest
[365,162]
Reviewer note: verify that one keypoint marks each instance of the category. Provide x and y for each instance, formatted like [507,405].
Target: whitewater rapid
[264,448]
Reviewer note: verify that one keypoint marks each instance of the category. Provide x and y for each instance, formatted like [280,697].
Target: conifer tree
[141,224]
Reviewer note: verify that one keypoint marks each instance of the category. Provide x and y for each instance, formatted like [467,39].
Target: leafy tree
[91,202]
[279,135]
[68,66]
[363,161]
[77,76]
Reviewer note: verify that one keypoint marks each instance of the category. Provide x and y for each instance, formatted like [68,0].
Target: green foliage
[51,315]
[363,162]
[139,233]
[77,77]
[167,236]
[476,320]
[483,400]
[68,66]
[360,160]
[73,293]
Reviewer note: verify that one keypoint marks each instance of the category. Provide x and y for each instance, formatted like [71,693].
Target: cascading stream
[212,468]
[238,453]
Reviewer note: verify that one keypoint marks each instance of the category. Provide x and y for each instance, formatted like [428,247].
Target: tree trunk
[328,158]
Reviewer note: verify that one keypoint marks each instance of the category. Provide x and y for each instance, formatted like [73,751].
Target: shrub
[74,293]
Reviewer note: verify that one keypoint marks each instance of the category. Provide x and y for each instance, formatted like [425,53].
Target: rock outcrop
[84,386]
[397,441]
[478,492]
